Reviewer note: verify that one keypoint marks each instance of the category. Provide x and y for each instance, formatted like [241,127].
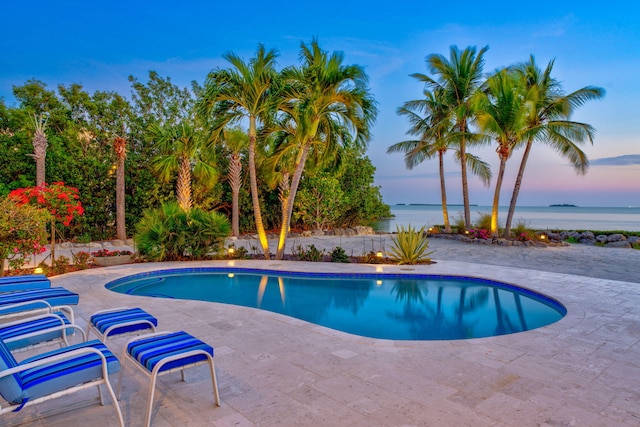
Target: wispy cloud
[629,159]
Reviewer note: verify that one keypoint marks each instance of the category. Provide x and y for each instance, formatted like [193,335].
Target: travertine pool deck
[278,371]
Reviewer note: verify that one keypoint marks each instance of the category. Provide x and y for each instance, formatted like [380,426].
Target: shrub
[409,246]
[484,221]
[339,255]
[481,233]
[81,260]
[169,233]
[309,254]
[372,258]
[60,265]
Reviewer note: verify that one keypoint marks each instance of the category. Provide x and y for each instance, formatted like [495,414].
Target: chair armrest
[70,355]
[62,328]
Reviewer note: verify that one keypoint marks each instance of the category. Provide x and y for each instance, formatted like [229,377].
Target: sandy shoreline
[578,259]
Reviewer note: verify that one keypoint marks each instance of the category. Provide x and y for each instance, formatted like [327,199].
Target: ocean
[534,217]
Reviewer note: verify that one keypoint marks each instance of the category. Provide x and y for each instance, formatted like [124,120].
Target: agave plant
[410,246]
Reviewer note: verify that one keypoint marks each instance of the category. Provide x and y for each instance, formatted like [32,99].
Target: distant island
[563,205]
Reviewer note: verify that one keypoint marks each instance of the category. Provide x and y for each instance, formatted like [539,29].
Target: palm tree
[548,121]
[181,152]
[243,91]
[328,104]
[502,115]
[435,131]
[236,141]
[40,145]
[459,77]
[120,147]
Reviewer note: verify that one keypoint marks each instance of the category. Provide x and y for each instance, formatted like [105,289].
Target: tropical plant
[170,233]
[409,246]
[120,147]
[436,138]
[327,104]
[310,253]
[501,114]
[458,78]
[235,141]
[339,255]
[243,91]
[182,152]
[40,145]
[548,121]
[23,232]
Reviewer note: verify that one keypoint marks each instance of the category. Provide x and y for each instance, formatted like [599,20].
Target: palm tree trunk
[443,193]
[465,183]
[496,198]
[286,218]
[183,186]
[235,171]
[121,232]
[253,181]
[516,188]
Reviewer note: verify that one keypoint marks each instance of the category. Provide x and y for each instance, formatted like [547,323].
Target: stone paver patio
[278,371]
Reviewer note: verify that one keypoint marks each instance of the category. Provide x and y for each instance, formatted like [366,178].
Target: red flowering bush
[479,234]
[60,200]
[107,252]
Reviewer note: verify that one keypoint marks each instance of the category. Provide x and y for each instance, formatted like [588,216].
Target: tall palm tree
[243,91]
[435,131]
[236,141]
[181,148]
[548,121]
[324,98]
[40,145]
[501,114]
[120,147]
[459,77]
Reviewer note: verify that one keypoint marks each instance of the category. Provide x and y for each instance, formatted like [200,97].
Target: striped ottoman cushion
[148,352]
[104,321]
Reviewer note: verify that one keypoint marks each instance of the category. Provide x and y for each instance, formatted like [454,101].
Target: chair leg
[214,381]
[100,394]
[152,390]
[115,402]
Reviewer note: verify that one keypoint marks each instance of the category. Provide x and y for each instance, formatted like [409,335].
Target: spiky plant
[409,246]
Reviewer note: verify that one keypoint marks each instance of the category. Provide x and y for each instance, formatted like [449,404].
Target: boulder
[588,235]
[117,242]
[601,238]
[619,244]
[306,233]
[363,230]
[616,238]
[633,239]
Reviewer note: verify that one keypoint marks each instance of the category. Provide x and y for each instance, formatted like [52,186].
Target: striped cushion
[10,386]
[55,296]
[29,326]
[53,377]
[24,282]
[148,352]
[104,321]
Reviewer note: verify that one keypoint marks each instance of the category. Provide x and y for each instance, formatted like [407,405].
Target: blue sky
[98,44]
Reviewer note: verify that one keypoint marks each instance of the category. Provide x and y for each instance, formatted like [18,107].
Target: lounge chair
[56,373]
[25,282]
[31,332]
[32,299]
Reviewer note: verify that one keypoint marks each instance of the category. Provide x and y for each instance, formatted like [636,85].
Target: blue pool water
[396,307]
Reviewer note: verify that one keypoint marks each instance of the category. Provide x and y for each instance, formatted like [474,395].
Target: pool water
[396,307]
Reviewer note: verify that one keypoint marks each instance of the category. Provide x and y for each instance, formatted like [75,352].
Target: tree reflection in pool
[395,307]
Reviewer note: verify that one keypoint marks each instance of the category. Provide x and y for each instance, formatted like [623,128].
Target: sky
[99,44]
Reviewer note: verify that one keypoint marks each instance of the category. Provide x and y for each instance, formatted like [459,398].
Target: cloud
[629,159]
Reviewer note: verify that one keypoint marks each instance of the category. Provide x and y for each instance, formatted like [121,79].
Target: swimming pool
[386,306]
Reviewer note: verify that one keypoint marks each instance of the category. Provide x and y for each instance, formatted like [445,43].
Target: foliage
[480,233]
[81,260]
[484,221]
[60,265]
[169,233]
[61,201]
[319,201]
[338,255]
[108,253]
[409,246]
[22,232]
[310,253]
[371,258]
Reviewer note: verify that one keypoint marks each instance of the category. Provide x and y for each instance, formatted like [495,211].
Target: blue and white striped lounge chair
[163,353]
[25,282]
[32,299]
[31,332]
[55,374]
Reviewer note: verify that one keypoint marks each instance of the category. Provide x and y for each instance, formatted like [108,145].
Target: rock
[306,233]
[363,230]
[586,241]
[616,238]
[601,238]
[504,242]
[482,241]
[317,232]
[539,244]
[575,235]
[117,242]
[633,239]
[517,243]
[555,236]
[588,235]
[619,244]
